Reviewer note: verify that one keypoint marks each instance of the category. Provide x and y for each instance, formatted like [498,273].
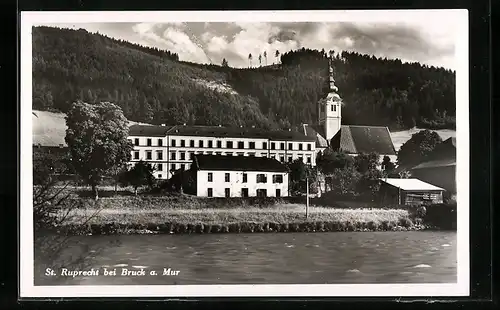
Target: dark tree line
[151,85]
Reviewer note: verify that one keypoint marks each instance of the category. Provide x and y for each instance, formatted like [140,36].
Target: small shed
[409,192]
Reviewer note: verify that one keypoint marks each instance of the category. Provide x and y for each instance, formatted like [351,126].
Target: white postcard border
[26,264]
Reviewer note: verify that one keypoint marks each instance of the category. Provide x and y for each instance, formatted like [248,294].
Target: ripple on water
[353,271]
[422,266]
[120,265]
[171,247]
[140,267]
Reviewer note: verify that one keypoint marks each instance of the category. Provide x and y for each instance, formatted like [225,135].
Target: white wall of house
[236,184]
[169,154]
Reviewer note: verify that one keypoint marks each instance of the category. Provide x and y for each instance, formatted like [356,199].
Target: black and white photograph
[244,153]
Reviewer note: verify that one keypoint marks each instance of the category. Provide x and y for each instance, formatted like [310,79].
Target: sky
[427,41]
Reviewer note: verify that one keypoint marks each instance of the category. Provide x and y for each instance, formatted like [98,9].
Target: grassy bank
[183,214]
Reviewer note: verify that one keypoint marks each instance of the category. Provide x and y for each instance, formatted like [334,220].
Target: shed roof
[238,163]
[411,184]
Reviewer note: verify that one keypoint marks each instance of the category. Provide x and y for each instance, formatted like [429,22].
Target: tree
[250,60]
[418,147]
[330,160]
[225,63]
[260,60]
[366,162]
[139,175]
[387,165]
[265,57]
[97,140]
[277,54]
[343,180]
[298,172]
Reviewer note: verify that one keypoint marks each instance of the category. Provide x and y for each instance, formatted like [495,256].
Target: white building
[170,148]
[220,176]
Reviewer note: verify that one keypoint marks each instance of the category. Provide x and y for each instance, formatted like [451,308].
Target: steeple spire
[333,88]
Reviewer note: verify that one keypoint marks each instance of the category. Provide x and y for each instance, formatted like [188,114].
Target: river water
[282,258]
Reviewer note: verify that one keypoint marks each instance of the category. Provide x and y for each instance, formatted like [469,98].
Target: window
[210,177]
[334,108]
[229,154]
[172,167]
[159,167]
[290,158]
[245,178]
[136,155]
[241,144]
[273,156]
[290,146]
[277,178]
[282,159]
[218,153]
[136,141]
[251,145]
[244,192]
[229,144]
[183,156]
[159,176]
[172,156]
[273,145]
[219,144]
[159,155]
[282,146]
[149,155]
[191,143]
[173,142]
[210,144]
[191,155]
[261,192]
[210,192]
[263,154]
[308,159]
[183,143]
[301,158]
[300,146]
[309,146]
[183,166]
[278,192]
[261,178]
[160,142]
[241,154]
[251,154]
[200,143]
[226,177]
[227,192]
[148,142]
[264,145]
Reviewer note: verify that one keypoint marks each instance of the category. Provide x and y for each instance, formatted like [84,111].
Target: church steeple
[330,107]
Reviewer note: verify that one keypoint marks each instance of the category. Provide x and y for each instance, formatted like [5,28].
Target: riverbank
[175,215]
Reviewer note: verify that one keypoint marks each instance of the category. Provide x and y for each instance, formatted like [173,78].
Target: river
[282,258]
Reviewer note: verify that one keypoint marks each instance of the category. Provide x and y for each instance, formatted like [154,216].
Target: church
[352,139]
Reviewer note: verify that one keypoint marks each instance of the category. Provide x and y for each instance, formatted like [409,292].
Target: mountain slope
[153,86]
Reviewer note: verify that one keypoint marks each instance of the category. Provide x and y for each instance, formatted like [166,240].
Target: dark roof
[237,132]
[148,130]
[314,132]
[363,139]
[238,163]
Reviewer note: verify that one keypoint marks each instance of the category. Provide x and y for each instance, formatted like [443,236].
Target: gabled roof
[314,132]
[238,163]
[238,132]
[148,130]
[411,185]
[363,139]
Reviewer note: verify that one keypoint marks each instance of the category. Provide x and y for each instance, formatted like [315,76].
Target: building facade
[170,148]
[219,176]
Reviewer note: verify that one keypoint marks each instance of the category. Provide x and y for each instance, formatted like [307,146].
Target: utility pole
[307,194]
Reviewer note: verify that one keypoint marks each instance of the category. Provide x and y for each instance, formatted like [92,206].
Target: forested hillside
[153,86]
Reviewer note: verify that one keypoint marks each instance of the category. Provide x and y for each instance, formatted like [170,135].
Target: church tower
[330,108]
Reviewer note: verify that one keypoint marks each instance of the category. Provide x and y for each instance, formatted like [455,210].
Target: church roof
[363,139]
